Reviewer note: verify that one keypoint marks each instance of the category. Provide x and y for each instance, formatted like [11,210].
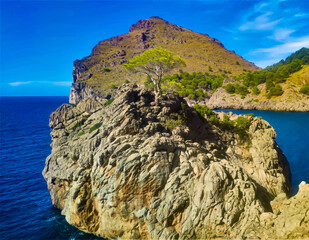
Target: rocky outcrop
[79,92]
[290,102]
[289,218]
[134,169]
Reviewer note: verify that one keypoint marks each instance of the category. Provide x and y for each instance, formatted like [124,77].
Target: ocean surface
[26,211]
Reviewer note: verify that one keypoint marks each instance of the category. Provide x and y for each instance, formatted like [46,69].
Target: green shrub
[81,133]
[78,125]
[241,90]
[250,115]
[176,119]
[275,91]
[226,123]
[109,101]
[191,96]
[203,110]
[106,70]
[243,122]
[193,86]
[74,157]
[241,127]
[255,90]
[230,88]
[305,90]
[95,127]
[173,121]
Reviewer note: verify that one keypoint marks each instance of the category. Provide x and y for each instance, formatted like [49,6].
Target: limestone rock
[133,169]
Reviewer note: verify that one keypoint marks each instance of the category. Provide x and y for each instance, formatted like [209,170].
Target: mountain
[104,69]
[134,169]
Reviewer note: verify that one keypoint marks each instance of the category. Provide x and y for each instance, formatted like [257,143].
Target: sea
[26,211]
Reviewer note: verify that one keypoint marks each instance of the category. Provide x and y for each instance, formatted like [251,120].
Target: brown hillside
[104,67]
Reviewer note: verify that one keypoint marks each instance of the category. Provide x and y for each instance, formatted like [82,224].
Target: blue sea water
[26,211]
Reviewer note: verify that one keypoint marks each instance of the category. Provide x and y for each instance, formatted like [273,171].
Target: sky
[41,39]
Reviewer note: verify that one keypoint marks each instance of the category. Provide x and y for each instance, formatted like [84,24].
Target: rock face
[133,169]
[80,91]
[290,217]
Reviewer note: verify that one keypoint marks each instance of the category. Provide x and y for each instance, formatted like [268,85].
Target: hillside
[280,87]
[103,69]
[300,77]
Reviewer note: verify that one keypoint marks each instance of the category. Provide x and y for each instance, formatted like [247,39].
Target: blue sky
[41,39]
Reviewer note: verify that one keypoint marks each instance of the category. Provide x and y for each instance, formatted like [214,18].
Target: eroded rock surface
[132,169]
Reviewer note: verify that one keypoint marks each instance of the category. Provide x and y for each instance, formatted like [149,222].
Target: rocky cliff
[129,168]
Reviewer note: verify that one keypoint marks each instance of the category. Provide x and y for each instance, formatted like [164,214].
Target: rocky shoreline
[129,168]
[222,100]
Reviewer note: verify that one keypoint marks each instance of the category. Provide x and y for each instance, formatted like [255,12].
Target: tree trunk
[157,91]
[158,88]
[157,96]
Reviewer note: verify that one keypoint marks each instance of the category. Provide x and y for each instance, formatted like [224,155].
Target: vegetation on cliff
[239,125]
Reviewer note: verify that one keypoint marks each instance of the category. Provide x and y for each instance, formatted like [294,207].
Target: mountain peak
[150,23]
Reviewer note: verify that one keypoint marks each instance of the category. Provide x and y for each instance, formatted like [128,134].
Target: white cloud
[282,34]
[258,7]
[262,22]
[56,83]
[301,15]
[282,50]
[63,83]
[14,84]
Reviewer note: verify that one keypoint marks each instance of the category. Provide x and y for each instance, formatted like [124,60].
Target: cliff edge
[128,168]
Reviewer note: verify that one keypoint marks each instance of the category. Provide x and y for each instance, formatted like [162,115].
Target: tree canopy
[155,63]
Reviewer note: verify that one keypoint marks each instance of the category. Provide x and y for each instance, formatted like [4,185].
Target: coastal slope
[129,168]
[291,91]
